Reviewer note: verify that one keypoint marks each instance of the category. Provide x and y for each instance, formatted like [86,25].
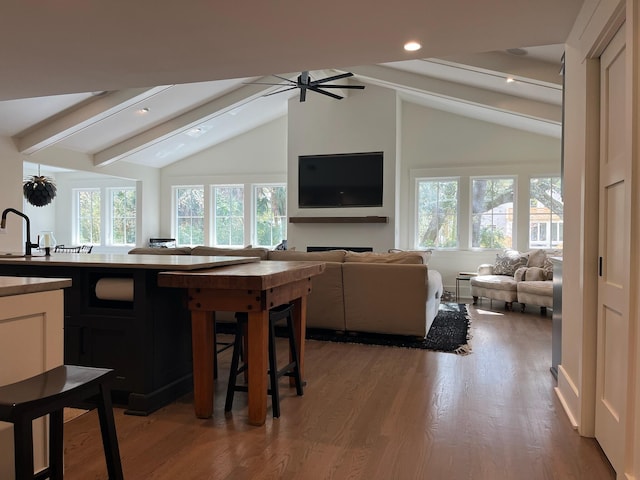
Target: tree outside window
[492,210]
[228,215]
[123,216]
[189,204]
[437,212]
[545,213]
[88,216]
[270,214]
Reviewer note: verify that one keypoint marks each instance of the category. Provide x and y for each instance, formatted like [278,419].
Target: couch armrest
[485,269]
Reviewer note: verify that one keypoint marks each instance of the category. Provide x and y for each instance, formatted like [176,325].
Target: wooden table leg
[203,353]
[257,333]
[300,324]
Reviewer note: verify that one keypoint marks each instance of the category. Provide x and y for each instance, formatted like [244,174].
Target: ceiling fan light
[412,46]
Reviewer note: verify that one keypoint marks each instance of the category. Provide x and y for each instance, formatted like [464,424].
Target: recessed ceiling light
[412,46]
[142,111]
[510,80]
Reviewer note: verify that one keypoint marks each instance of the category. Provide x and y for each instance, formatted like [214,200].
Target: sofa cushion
[160,251]
[509,261]
[325,256]
[495,282]
[395,257]
[425,254]
[548,268]
[234,252]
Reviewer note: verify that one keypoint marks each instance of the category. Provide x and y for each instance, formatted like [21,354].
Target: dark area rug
[449,332]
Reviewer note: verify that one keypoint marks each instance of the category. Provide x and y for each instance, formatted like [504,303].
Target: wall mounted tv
[341,180]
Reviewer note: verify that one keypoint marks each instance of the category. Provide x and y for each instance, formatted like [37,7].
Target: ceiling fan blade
[288,80]
[328,94]
[359,87]
[265,83]
[335,77]
[303,94]
[280,91]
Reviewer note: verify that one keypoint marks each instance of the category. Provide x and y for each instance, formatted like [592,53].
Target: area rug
[449,332]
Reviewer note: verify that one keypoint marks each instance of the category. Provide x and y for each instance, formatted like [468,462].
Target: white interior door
[614,250]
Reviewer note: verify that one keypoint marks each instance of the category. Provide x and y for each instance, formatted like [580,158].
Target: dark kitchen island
[116,316]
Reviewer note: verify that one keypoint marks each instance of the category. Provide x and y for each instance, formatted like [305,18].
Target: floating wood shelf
[368,219]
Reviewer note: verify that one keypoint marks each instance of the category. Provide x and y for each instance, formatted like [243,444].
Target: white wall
[427,142]
[257,156]
[11,239]
[364,121]
[441,144]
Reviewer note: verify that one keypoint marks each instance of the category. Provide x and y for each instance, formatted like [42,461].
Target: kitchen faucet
[3,224]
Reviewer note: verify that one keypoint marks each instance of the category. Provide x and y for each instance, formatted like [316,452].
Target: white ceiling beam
[76,119]
[190,119]
[420,85]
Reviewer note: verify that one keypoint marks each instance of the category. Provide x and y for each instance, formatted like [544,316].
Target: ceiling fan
[304,83]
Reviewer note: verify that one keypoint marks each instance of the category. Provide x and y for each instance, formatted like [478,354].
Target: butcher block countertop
[149,262]
[21,285]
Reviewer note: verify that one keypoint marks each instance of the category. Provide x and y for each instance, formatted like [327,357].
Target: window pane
[492,208]
[88,220]
[437,213]
[123,216]
[189,212]
[270,215]
[545,213]
[228,215]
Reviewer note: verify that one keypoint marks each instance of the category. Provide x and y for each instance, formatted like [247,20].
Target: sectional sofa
[390,293]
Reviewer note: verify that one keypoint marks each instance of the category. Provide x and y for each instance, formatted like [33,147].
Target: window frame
[214,217]
[514,211]
[176,218]
[439,179]
[110,210]
[254,207]
[77,221]
[550,224]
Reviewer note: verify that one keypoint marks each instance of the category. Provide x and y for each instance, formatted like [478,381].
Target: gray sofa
[393,293]
[525,278]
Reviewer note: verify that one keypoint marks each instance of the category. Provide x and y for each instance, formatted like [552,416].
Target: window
[270,215]
[123,216]
[545,213]
[492,210]
[437,213]
[87,204]
[228,216]
[189,208]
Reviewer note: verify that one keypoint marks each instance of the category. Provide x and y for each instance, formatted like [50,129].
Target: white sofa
[525,278]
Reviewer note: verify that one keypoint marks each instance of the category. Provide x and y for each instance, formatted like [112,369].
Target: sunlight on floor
[488,312]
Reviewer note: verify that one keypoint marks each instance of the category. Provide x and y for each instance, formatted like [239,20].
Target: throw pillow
[509,261]
[548,269]
[537,258]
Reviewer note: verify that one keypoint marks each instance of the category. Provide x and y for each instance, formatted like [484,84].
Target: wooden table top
[251,276]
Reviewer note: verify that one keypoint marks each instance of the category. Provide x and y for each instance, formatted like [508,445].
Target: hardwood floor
[372,412]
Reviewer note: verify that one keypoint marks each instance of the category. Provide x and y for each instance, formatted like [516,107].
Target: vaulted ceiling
[159,83]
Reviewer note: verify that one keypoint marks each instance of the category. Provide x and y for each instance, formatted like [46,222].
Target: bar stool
[291,369]
[48,393]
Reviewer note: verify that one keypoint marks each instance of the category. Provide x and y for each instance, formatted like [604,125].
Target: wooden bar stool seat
[48,393]
[276,314]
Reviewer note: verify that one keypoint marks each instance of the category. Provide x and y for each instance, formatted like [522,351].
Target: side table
[462,277]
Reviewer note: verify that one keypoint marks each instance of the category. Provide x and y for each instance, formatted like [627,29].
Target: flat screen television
[342,180]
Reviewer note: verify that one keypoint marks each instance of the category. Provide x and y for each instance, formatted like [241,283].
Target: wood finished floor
[372,412]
